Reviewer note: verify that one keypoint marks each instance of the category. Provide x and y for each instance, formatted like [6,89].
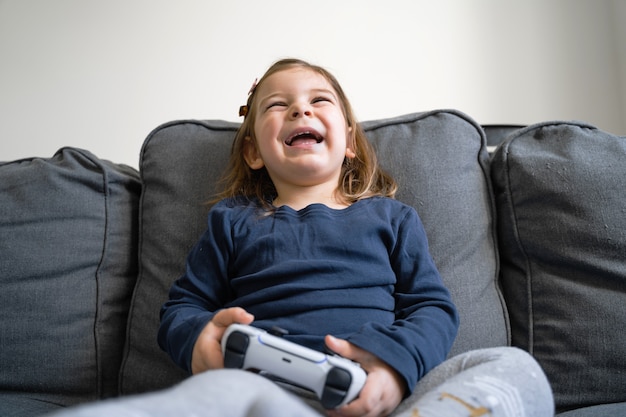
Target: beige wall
[101,74]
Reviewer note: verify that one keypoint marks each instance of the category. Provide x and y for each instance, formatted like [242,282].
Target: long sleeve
[363,274]
[426,320]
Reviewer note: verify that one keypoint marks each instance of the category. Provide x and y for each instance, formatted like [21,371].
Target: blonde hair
[361,176]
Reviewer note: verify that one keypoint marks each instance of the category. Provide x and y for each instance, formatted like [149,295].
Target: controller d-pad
[337,385]
[235,352]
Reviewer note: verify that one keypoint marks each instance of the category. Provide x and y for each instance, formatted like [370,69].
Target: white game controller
[335,380]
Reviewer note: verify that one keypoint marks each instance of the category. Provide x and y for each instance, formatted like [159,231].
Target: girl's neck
[298,201]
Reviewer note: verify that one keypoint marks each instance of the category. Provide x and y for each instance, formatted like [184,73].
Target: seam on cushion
[485,166]
[214,125]
[105,241]
[131,307]
[97,316]
[370,125]
[527,129]
[518,240]
[98,301]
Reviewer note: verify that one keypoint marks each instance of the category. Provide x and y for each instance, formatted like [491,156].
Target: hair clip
[243,110]
[256,80]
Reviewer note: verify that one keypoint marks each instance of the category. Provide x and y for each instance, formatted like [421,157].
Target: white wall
[101,74]
[617,9]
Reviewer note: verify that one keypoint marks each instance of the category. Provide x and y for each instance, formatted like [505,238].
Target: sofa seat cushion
[602,410]
[68,248]
[439,159]
[561,193]
[24,404]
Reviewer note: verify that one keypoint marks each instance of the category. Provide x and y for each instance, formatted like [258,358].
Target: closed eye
[276,104]
[321,99]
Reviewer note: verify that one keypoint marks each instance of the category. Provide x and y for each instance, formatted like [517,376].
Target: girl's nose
[300,110]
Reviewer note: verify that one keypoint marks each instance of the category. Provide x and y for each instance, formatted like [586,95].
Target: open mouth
[304,136]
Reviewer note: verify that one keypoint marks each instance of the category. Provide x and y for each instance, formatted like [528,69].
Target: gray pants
[489,382]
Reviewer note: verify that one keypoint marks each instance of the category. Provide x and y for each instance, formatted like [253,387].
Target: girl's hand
[383,389]
[207,352]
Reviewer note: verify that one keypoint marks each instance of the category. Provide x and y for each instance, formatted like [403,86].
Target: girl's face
[301,131]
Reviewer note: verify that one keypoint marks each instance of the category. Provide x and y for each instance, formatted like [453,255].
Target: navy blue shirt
[363,274]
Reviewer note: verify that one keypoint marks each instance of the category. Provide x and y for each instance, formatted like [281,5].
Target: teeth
[298,135]
[305,133]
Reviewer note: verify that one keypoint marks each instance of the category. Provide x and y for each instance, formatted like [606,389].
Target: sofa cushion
[561,194]
[602,410]
[440,161]
[68,266]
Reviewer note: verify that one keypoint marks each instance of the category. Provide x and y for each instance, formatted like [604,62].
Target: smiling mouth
[304,136]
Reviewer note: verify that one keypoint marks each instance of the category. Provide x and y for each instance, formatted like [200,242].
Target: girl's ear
[351,143]
[251,154]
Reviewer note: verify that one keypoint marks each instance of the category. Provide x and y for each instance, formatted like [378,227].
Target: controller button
[332,397]
[339,378]
[278,331]
[235,352]
[337,384]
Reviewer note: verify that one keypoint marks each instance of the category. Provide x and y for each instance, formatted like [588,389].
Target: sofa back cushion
[68,266]
[561,194]
[440,161]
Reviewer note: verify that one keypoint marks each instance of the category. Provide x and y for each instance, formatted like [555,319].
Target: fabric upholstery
[561,194]
[68,247]
[440,161]
[602,410]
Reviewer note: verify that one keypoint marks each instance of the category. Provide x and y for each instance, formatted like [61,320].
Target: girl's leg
[220,393]
[493,382]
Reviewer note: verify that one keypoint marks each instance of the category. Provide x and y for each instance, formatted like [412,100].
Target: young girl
[308,238]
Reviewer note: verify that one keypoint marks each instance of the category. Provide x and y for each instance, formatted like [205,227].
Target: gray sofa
[530,239]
